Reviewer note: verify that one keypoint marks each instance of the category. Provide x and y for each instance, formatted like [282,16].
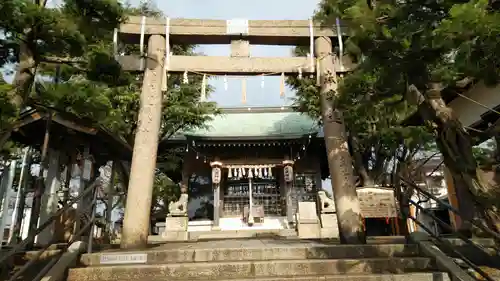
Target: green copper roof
[257,125]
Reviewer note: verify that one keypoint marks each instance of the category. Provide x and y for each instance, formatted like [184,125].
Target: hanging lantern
[216,172]
[288,170]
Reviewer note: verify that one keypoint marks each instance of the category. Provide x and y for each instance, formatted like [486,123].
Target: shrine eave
[67,130]
[240,139]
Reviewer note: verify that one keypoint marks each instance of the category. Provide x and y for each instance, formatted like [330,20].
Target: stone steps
[430,276]
[283,252]
[260,259]
[251,269]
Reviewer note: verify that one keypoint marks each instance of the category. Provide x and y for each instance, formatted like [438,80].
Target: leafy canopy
[64,59]
[402,43]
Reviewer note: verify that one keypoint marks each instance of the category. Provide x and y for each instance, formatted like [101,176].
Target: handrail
[47,267]
[474,221]
[447,226]
[41,228]
[443,242]
[450,247]
[30,238]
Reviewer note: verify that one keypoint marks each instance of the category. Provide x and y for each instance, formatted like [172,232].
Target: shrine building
[270,158]
[252,145]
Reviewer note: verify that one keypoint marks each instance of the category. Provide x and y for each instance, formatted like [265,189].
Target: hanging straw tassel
[282,85]
[225,82]
[311,44]
[185,79]
[341,43]
[244,90]
[203,96]
[141,41]
[164,78]
[115,43]
[166,61]
[318,73]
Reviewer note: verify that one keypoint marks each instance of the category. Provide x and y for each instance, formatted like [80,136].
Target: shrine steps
[263,260]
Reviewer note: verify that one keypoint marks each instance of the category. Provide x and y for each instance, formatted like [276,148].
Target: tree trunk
[456,147]
[24,77]
[361,169]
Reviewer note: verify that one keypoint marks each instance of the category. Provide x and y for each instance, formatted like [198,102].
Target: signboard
[377,202]
[123,258]
[237,27]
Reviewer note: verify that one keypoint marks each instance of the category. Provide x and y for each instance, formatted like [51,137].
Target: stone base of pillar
[329,226]
[216,228]
[176,229]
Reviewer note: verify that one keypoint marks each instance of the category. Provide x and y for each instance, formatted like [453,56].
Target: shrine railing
[442,243]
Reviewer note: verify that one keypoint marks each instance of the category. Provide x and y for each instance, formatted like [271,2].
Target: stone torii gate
[161,33]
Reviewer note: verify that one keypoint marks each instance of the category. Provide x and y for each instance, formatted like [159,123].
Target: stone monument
[308,224]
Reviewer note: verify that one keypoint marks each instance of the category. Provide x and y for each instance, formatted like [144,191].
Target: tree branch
[74,62]
[177,128]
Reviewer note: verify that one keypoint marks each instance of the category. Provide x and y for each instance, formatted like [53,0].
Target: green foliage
[402,43]
[372,116]
[164,192]
[415,42]
[7,111]
[485,154]
[71,48]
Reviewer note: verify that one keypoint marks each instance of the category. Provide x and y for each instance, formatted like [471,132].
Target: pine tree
[64,58]
[418,50]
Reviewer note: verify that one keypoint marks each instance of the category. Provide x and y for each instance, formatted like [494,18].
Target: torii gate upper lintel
[257,32]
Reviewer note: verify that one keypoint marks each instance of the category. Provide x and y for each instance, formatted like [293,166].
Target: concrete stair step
[426,276]
[250,269]
[276,252]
